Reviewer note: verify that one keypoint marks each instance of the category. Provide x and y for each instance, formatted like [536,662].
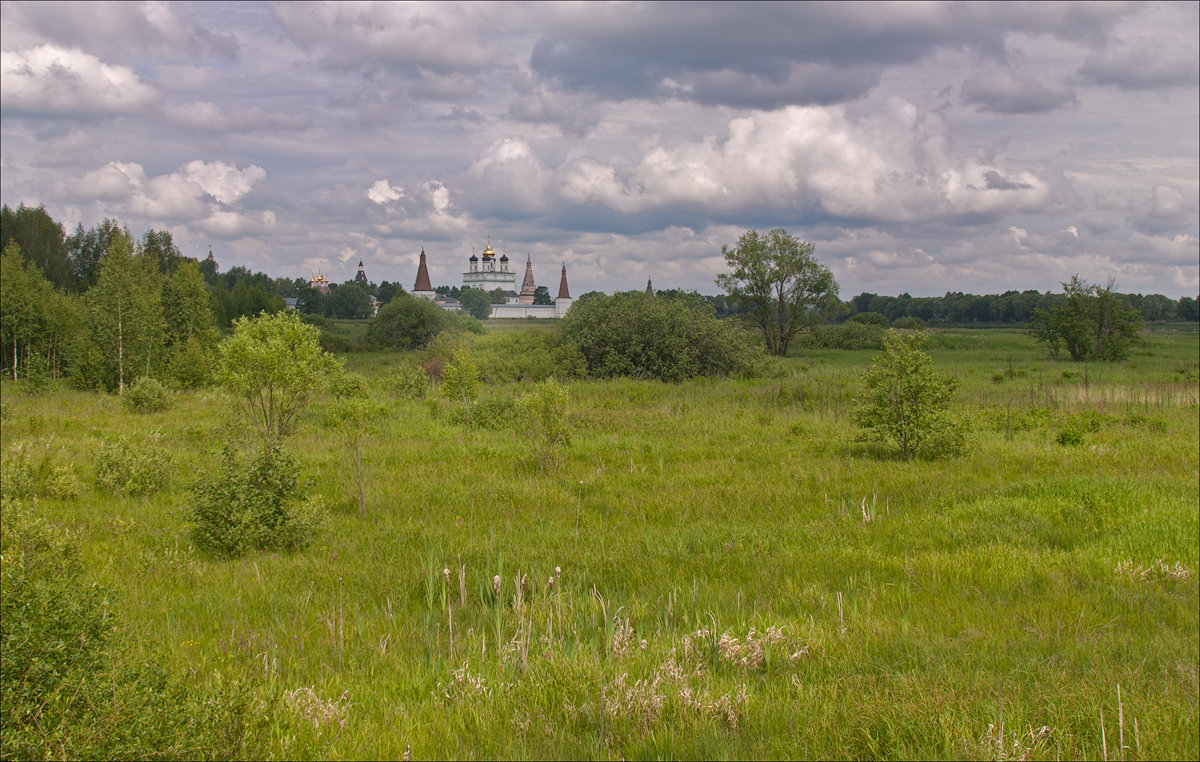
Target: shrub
[273,365]
[1093,323]
[909,323]
[406,322]
[904,400]
[870,318]
[530,355]
[20,478]
[460,378]
[845,336]
[146,395]
[640,336]
[131,470]
[246,507]
[349,385]
[70,687]
[546,422]
[409,381]
[488,413]
[190,364]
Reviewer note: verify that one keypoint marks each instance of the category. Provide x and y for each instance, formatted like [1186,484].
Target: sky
[921,147]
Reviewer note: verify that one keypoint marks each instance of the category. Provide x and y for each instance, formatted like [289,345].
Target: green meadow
[718,569]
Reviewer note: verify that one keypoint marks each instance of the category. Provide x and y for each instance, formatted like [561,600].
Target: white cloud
[208,116]
[382,192]
[50,80]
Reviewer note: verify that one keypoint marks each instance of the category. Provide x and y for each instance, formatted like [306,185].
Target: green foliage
[409,381]
[70,688]
[26,475]
[492,413]
[904,400]
[909,323]
[545,416]
[25,301]
[146,395]
[476,303]
[529,355]
[640,336]
[190,362]
[1093,324]
[460,378]
[124,323]
[130,469]
[273,366]
[869,318]
[41,239]
[849,335]
[250,507]
[786,288]
[406,322]
[349,385]
[352,416]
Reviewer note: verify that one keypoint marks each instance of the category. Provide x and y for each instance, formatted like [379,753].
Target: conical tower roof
[422,283]
[563,291]
[529,286]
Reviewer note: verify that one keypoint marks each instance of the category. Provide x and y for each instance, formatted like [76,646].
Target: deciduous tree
[786,287]
[1093,324]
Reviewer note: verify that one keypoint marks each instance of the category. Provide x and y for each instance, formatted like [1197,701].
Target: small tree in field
[274,365]
[1093,324]
[905,399]
[546,418]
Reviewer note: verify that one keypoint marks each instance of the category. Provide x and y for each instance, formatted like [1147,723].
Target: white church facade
[488,273]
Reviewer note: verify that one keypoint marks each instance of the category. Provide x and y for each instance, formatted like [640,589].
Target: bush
[70,688]
[546,422]
[146,395]
[904,400]
[349,385]
[909,323]
[252,507]
[132,470]
[529,355]
[406,322]
[845,336]
[460,379]
[870,318]
[640,336]
[20,478]
[190,364]
[409,381]
[489,413]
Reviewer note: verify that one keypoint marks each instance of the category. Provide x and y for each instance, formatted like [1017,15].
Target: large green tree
[124,317]
[475,302]
[24,303]
[1094,323]
[42,240]
[786,288]
[406,322]
[86,249]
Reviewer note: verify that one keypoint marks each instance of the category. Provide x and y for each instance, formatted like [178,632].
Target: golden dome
[488,251]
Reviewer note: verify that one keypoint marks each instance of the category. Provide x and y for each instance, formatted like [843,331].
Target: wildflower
[557,571]
[446,574]
[496,583]
[550,584]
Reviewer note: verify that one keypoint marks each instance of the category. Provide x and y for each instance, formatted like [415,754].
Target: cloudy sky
[922,147]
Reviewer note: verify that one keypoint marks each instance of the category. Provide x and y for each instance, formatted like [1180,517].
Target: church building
[488,273]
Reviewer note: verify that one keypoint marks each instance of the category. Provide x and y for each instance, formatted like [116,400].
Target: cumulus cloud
[198,192]
[52,81]
[1000,91]
[382,192]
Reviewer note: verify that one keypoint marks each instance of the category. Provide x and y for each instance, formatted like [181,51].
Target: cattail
[557,571]
[407,752]
[644,644]
[446,574]
[550,584]
[496,583]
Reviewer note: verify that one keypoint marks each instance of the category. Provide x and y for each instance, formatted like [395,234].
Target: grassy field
[734,574]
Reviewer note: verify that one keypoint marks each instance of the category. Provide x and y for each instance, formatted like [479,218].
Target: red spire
[422,283]
[529,287]
[563,293]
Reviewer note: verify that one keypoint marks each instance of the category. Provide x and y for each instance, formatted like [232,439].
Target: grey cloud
[996,181]
[1004,92]
[1144,63]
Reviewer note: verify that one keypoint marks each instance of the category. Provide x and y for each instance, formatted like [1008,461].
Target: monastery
[488,273]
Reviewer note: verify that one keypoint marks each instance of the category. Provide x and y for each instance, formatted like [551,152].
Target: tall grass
[734,574]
